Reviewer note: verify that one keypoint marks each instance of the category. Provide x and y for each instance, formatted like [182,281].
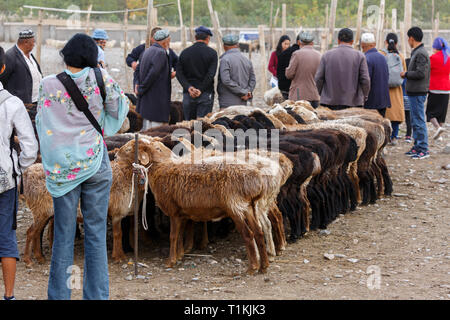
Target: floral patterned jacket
[71,148]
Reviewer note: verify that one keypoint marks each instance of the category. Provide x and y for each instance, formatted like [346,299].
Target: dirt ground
[403,239]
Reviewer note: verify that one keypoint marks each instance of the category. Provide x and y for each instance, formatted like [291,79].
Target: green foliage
[247,13]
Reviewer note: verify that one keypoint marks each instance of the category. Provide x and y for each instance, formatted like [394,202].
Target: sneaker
[421,156]
[411,152]
[438,133]
[408,139]
[9,298]
[393,142]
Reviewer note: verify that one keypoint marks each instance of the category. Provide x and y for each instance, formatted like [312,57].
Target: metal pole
[136,206]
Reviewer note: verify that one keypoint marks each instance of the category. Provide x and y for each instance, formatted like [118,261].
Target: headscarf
[441,44]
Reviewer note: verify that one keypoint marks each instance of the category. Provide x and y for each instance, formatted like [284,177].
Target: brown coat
[302,69]
[397,110]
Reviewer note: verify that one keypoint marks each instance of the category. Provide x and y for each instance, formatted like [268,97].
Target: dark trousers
[408,123]
[337,108]
[199,107]
[382,112]
[314,104]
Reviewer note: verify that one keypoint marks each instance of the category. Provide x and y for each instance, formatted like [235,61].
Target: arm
[419,73]
[135,55]
[252,81]
[320,75]
[174,59]
[9,69]
[153,71]
[290,71]
[25,133]
[225,77]
[273,64]
[212,70]
[364,78]
[181,76]
[116,106]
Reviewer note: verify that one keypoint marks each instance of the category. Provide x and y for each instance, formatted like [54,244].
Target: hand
[134,65]
[245,98]
[403,74]
[193,92]
[173,74]
[250,95]
[136,89]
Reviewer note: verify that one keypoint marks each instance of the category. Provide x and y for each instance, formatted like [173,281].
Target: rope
[143,171]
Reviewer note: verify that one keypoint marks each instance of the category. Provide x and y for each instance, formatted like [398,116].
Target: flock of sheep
[309,166]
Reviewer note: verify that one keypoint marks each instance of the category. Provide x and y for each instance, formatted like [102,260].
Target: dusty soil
[404,237]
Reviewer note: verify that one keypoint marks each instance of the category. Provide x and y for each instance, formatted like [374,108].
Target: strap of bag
[100,83]
[78,99]
[14,176]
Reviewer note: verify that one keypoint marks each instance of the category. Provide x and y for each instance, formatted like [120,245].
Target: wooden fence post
[394,21]
[436,27]
[216,28]
[192,22]
[332,22]
[125,46]
[88,19]
[403,38]
[283,15]
[275,20]
[39,37]
[359,23]
[324,43]
[271,25]
[182,30]
[408,21]
[380,26]
[262,44]
[149,22]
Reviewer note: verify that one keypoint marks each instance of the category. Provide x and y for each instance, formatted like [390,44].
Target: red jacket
[273,64]
[439,79]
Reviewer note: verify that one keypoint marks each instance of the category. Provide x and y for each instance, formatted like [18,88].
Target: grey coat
[236,78]
[418,74]
[343,77]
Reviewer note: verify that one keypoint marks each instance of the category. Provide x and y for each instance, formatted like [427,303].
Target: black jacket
[197,67]
[17,76]
[283,63]
[136,55]
[155,87]
[418,74]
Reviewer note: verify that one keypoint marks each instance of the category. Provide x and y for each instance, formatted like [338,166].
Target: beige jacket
[302,69]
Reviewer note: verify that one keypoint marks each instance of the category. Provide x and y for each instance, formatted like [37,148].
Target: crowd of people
[71,145]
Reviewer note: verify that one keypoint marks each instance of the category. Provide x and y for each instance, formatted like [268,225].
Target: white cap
[368,38]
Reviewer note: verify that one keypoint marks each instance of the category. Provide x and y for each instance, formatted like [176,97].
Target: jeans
[9,202]
[199,107]
[418,122]
[93,195]
[395,129]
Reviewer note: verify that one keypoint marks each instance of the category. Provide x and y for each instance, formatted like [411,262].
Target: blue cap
[161,35]
[230,39]
[203,29]
[100,34]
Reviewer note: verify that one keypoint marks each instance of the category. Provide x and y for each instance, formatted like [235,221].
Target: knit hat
[230,39]
[100,34]
[306,37]
[26,34]
[161,35]
[368,38]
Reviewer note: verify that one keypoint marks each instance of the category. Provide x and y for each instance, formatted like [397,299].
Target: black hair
[81,51]
[392,41]
[416,33]
[280,42]
[2,58]
[345,35]
[201,36]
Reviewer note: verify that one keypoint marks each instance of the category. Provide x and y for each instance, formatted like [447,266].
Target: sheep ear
[144,158]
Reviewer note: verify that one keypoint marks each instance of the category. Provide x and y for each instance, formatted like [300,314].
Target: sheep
[40,202]
[186,191]
[273,96]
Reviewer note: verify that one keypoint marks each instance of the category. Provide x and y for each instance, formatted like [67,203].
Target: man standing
[417,85]
[379,98]
[284,84]
[154,90]
[22,74]
[134,57]
[302,69]
[101,38]
[236,75]
[13,116]
[343,79]
[196,70]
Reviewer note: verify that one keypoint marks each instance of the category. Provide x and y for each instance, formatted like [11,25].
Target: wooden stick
[380,26]
[324,40]
[283,22]
[192,22]
[408,20]
[149,22]
[88,18]
[136,206]
[275,20]
[436,27]
[271,39]
[332,22]
[182,30]
[262,44]
[432,12]
[216,28]
[125,46]
[359,23]
[39,37]
[403,38]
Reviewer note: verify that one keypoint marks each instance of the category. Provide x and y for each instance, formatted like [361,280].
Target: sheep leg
[33,239]
[117,252]
[247,235]
[175,229]
[264,223]
[259,238]
[189,236]
[205,239]
[180,244]
[388,185]
[355,179]
[276,220]
[380,183]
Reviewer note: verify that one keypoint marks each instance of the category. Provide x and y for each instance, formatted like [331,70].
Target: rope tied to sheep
[143,172]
